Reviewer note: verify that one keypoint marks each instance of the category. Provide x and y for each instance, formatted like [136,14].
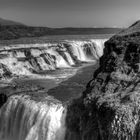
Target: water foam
[35,59]
[23,118]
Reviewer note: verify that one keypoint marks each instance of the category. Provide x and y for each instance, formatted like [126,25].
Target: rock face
[109,108]
[3,99]
[4,71]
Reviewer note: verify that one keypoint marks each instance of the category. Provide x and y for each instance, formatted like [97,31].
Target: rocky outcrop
[3,99]
[109,108]
[4,71]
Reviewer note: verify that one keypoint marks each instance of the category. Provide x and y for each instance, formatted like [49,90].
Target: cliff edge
[109,108]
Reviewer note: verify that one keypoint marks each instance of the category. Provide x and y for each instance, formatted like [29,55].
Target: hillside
[13,30]
[4,22]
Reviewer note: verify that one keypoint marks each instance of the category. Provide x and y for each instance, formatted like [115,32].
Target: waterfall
[32,59]
[20,54]
[69,58]
[98,46]
[76,49]
[25,118]
[94,49]
[15,67]
[39,116]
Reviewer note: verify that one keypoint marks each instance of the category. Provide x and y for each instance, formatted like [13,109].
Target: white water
[31,59]
[70,60]
[76,48]
[23,118]
[98,46]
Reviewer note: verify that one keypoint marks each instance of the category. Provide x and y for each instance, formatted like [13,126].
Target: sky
[72,13]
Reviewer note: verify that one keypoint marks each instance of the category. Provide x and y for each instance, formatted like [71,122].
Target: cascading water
[30,59]
[76,49]
[69,58]
[23,118]
[31,117]
[98,46]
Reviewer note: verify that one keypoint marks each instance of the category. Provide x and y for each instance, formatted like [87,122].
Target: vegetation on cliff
[109,108]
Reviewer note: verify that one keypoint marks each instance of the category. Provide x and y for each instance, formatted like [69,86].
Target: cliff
[109,108]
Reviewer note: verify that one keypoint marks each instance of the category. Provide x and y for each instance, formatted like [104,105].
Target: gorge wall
[109,108]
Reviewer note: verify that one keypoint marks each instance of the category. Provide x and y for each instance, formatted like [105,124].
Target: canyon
[108,109]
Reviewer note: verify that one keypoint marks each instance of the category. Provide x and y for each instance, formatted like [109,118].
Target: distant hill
[134,28]
[14,30]
[4,22]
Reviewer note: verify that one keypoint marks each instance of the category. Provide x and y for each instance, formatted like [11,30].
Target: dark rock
[3,99]
[111,101]
[4,72]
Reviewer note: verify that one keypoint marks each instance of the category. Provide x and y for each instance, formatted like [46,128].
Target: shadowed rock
[109,108]
[3,99]
[4,71]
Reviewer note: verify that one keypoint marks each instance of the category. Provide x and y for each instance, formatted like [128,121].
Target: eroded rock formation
[109,108]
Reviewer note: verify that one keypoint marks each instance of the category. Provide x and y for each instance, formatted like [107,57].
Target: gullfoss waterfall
[37,59]
[26,116]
